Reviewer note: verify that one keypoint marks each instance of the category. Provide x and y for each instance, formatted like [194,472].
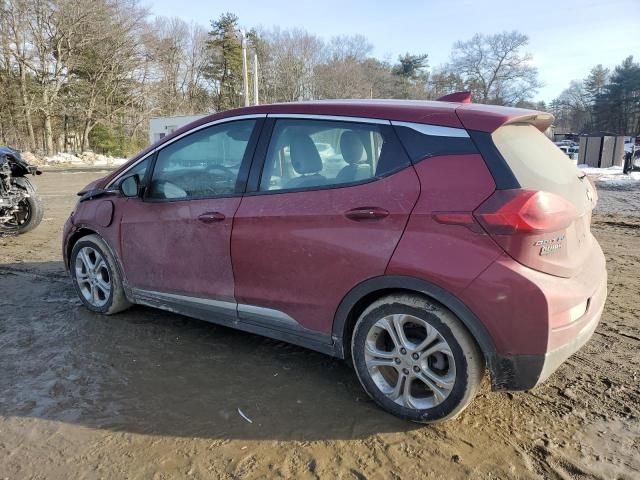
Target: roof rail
[457,97]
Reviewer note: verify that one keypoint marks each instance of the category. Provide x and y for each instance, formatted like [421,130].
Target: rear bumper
[524,372]
[531,317]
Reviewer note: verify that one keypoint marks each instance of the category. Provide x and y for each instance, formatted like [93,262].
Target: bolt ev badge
[550,245]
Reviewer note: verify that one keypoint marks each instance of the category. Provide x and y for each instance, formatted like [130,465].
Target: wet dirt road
[148,394]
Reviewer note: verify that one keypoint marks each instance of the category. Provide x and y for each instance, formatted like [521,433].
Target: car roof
[472,116]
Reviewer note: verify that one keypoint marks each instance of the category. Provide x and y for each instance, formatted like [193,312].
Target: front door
[332,202]
[176,238]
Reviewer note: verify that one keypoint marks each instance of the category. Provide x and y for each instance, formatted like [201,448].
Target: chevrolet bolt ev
[426,242]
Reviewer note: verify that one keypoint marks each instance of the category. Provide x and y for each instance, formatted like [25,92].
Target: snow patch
[611,175]
[76,160]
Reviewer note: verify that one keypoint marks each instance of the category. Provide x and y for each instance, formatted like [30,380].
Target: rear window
[536,162]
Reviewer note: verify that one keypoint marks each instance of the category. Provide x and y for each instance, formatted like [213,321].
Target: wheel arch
[363,294]
[76,235]
[79,233]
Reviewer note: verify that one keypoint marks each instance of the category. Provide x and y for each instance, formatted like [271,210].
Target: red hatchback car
[424,241]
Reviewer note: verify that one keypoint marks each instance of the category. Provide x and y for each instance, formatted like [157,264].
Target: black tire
[468,361]
[116,301]
[35,213]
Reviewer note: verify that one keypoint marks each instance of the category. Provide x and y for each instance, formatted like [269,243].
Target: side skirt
[249,318]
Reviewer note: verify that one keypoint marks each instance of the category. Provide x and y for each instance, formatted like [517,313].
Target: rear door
[176,238]
[330,200]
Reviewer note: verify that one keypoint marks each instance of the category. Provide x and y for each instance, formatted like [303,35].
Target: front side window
[318,153]
[203,164]
[139,169]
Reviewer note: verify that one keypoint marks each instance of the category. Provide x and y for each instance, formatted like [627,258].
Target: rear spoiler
[488,118]
[457,97]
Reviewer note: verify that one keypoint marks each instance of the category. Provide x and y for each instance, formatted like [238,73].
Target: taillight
[524,211]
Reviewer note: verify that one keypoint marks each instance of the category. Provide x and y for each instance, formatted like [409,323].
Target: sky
[566,37]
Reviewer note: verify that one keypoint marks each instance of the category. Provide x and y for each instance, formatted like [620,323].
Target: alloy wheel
[410,361]
[93,276]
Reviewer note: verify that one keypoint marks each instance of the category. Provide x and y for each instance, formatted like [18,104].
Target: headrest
[351,147]
[304,155]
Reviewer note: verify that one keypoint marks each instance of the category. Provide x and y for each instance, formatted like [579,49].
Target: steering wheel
[226,172]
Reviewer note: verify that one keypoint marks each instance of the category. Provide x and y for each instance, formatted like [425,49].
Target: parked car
[570,151]
[566,143]
[455,239]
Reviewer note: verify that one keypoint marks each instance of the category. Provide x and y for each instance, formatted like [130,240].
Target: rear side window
[311,154]
[536,162]
[424,141]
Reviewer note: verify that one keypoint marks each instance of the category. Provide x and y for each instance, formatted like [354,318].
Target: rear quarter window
[423,141]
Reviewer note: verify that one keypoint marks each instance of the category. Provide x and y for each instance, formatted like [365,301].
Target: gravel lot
[149,394]
[619,199]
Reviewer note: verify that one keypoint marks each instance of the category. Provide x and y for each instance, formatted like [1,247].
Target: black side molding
[516,372]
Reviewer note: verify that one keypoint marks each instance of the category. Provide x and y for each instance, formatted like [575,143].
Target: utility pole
[255,79]
[245,73]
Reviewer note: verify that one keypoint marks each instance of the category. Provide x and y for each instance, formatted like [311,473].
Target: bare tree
[344,73]
[495,68]
[104,67]
[15,44]
[288,59]
[572,109]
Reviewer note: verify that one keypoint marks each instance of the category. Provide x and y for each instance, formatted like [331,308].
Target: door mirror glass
[130,185]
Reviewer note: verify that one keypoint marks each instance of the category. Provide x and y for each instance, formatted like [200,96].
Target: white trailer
[160,127]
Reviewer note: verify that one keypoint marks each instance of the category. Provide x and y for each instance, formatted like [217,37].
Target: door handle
[211,217]
[366,213]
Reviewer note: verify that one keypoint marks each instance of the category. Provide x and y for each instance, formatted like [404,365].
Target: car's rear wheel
[416,359]
[96,277]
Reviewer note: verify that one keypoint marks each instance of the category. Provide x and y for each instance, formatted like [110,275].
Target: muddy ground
[148,394]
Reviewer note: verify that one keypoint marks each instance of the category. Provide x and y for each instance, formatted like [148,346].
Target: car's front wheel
[28,214]
[96,277]
[416,359]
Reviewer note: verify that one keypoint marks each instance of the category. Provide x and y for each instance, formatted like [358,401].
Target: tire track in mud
[34,272]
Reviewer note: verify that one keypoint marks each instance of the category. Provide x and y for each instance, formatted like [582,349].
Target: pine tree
[224,66]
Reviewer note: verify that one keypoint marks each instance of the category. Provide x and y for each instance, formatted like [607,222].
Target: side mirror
[130,186]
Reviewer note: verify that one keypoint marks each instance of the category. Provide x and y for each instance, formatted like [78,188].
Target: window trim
[260,155]
[328,118]
[183,134]
[433,130]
